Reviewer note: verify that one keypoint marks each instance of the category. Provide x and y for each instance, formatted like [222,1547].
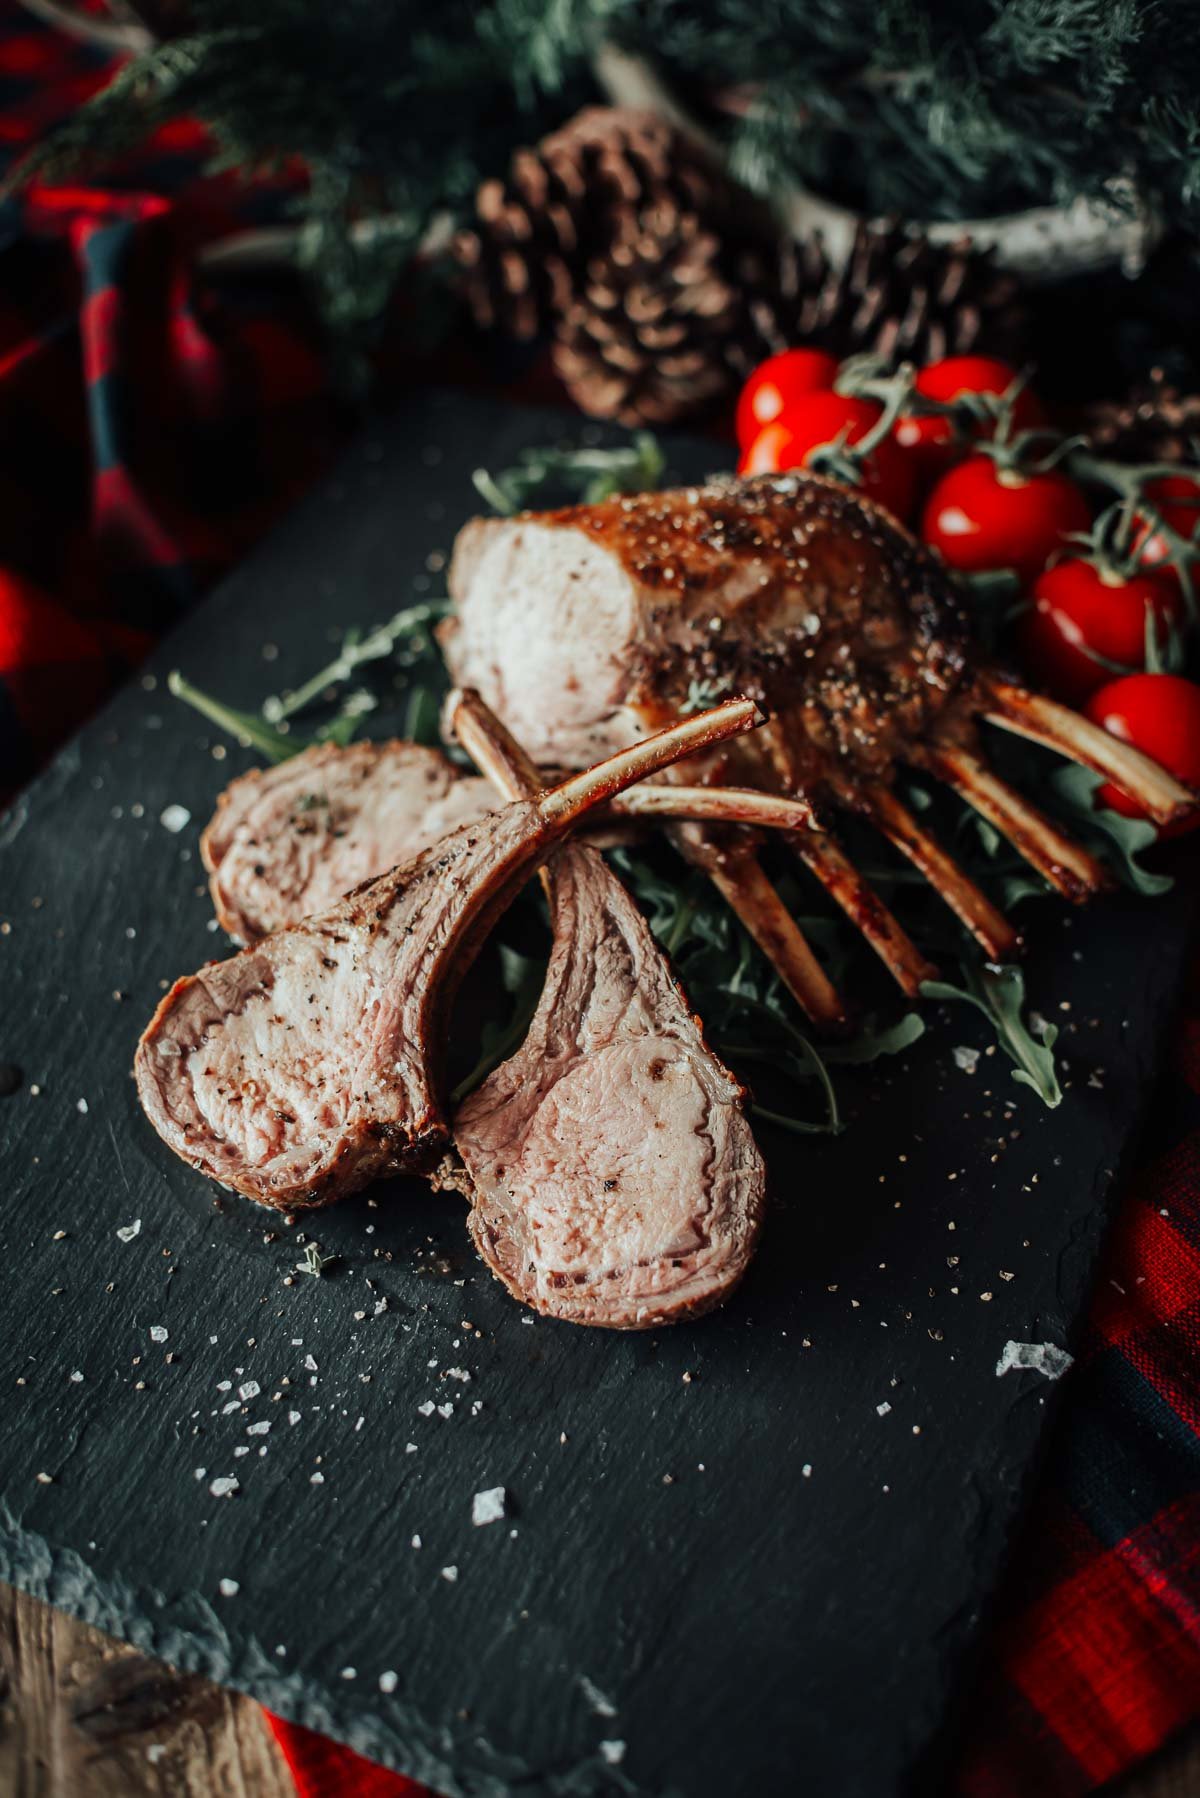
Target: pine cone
[536,234]
[898,296]
[646,341]
[1153,423]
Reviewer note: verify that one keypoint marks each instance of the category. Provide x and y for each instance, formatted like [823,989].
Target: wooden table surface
[82,1716]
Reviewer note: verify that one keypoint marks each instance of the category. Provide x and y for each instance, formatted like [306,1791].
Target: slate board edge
[192,1639]
[934,1758]
[61,1578]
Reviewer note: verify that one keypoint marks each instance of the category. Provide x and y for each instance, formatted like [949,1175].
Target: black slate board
[743,1576]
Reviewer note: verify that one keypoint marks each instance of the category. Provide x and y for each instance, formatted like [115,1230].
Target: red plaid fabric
[150,428]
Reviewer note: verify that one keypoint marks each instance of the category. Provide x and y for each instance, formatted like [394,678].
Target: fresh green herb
[999,993]
[314,1262]
[522,978]
[590,475]
[247,727]
[355,651]
[1124,838]
[702,694]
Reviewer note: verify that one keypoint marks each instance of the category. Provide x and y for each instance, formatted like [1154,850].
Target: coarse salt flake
[223,1487]
[388,1681]
[613,1752]
[127,1232]
[228,1588]
[488,1506]
[175,818]
[158,1333]
[450,1573]
[1038,1357]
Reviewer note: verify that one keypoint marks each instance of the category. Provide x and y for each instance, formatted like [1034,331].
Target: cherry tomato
[932,440]
[1176,497]
[1084,617]
[775,383]
[981,515]
[1160,715]
[821,418]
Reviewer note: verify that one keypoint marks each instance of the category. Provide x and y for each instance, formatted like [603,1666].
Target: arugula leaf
[522,977]
[1077,787]
[872,1042]
[999,993]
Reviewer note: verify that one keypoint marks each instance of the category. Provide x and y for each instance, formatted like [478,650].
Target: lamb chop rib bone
[612,1174]
[581,626]
[306,1066]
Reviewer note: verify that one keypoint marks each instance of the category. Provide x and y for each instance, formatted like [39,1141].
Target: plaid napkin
[150,428]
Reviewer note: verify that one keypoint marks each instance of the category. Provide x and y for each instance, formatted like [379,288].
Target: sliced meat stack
[612,1173]
[306,1066]
[289,841]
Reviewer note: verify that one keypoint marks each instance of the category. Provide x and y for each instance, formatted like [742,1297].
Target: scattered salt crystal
[457,1373]
[450,1573]
[1039,1357]
[966,1059]
[224,1487]
[155,1752]
[250,1390]
[349,1672]
[127,1232]
[235,1404]
[75,1376]
[45,1479]
[158,1333]
[488,1506]
[388,1681]
[316,1479]
[603,1707]
[613,1752]
[883,1409]
[410,1448]
[310,1364]
[81,1106]
[446,1410]
[293,1417]
[416,1541]
[258,1429]
[175,818]
[806,1470]
[229,1588]
[426,1410]
[199,1472]
[240,1451]
[224,1385]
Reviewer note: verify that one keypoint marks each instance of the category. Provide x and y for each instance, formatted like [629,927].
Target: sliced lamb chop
[612,1174]
[582,626]
[307,1065]
[288,841]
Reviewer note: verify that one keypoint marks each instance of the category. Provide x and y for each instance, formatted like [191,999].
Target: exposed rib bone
[986,922]
[865,909]
[563,804]
[1068,867]
[721,805]
[744,887]
[1058,727]
[736,876]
